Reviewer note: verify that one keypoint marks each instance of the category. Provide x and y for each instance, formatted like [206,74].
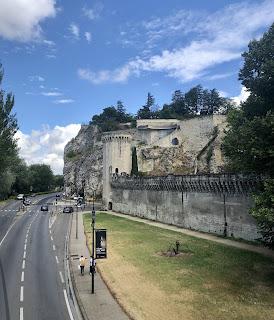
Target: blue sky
[67,60]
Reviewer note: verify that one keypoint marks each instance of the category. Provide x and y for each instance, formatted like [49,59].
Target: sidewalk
[98,306]
[197,234]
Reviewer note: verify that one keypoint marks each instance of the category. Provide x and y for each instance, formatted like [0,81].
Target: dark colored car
[68,210]
[44,208]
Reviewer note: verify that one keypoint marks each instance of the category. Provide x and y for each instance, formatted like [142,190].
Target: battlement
[117,136]
[213,183]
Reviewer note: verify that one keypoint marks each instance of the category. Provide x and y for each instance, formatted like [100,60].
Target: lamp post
[93,244]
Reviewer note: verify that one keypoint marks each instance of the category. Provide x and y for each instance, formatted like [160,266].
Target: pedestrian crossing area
[8,210]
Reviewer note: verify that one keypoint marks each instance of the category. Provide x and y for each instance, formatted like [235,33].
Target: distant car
[44,208]
[68,210]
[58,195]
[27,202]
[20,196]
[75,198]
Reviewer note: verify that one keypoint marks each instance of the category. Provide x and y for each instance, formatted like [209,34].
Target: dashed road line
[53,248]
[51,238]
[24,256]
[23,264]
[22,294]
[61,276]
[57,260]
[23,276]
[25,246]
[21,313]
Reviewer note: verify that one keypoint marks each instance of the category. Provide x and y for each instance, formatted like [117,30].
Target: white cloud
[217,38]
[36,78]
[49,43]
[94,12]
[20,20]
[46,145]
[52,94]
[88,36]
[75,31]
[63,101]
[244,94]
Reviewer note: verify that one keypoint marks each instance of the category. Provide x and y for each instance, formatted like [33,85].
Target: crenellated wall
[210,203]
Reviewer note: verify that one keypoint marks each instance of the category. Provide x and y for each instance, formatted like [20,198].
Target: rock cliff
[83,162]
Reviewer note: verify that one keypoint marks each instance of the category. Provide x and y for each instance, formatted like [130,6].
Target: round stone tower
[116,159]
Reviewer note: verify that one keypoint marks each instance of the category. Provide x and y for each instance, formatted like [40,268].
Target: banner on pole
[101,243]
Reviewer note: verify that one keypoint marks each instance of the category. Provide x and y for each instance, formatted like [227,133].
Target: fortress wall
[199,211]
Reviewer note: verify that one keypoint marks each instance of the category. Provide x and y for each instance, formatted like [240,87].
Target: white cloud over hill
[46,145]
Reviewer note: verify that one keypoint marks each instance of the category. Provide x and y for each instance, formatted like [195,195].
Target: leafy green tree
[8,146]
[248,144]
[263,211]
[41,177]
[257,74]
[22,183]
[194,99]
[145,112]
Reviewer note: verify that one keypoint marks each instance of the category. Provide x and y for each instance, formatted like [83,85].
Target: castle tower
[116,159]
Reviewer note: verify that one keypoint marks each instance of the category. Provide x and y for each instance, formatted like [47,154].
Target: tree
[248,143]
[8,146]
[145,112]
[263,211]
[41,177]
[193,99]
[257,74]
[178,104]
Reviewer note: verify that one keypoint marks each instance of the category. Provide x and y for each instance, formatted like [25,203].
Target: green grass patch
[221,277]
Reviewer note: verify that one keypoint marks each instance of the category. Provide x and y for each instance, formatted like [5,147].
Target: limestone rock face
[83,162]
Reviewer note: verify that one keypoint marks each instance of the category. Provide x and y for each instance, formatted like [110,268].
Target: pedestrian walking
[92,265]
[82,262]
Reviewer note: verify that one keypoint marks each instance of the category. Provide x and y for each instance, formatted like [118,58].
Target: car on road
[44,208]
[27,202]
[20,196]
[68,210]
[58,195]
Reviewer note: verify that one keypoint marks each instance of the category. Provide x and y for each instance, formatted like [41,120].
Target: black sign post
[101,243]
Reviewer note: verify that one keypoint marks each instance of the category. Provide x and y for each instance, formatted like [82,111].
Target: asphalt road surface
[32,252]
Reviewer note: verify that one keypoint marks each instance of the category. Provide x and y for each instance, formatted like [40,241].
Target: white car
[20,196]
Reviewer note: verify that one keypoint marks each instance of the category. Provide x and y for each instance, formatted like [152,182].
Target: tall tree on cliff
[248,143]
[145,112]
[8,146]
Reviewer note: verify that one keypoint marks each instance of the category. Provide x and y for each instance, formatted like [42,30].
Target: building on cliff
[163,146]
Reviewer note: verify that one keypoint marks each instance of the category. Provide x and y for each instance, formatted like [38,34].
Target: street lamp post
[93,244]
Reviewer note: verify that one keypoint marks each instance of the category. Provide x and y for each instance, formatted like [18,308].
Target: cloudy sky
[67,60]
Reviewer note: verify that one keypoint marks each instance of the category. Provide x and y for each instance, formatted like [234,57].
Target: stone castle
[179,179]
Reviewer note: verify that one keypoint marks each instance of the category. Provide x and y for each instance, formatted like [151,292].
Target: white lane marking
[53,247]
[49,231]
[57,260]
[51,238]
[25,246]
[68,306]
[22,276]
[26,241]
[24,256]
[7,233]
[22,294]
[23,264]
[61,276]
[21,313]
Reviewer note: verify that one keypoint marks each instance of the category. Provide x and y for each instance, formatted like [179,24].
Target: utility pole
[93,244]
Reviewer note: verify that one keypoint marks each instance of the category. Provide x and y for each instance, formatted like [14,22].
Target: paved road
[31,264]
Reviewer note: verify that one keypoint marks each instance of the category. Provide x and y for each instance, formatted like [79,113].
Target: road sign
[101,243]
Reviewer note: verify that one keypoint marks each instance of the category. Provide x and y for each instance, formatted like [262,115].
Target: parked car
[68,210]
[20,196]
[44,208]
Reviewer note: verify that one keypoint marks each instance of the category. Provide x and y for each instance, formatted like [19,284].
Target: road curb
[74,294]
[70,283]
